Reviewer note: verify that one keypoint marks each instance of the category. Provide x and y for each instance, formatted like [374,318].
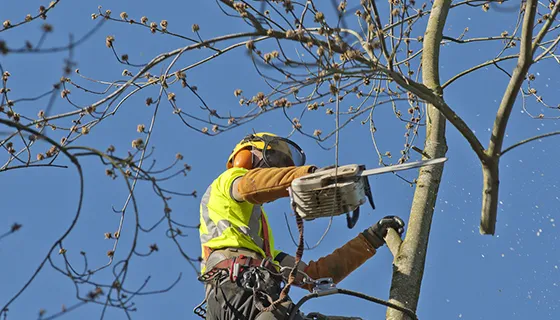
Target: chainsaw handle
[352,219]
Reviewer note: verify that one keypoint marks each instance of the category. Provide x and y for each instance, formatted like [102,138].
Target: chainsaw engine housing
[331,192]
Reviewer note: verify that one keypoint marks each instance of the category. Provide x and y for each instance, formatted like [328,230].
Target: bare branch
[424,93]
[393,241]
[13,229]
[551,17]
[490,166]
[42,14]
[75,162]
[522,142]
[482,65]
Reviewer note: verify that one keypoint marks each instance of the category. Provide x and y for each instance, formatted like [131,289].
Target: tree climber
[240,267]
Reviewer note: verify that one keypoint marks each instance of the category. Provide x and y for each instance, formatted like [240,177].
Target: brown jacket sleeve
[343,261]
[262,185]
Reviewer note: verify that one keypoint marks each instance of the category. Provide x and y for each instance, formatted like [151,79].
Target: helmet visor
[280,152]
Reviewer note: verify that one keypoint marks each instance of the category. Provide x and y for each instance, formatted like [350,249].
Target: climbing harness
[251,278]
[200,310]
[245,271]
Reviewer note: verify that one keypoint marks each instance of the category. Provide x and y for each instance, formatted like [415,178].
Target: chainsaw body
[332,192]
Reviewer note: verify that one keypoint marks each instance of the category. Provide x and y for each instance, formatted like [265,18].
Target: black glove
[376,233]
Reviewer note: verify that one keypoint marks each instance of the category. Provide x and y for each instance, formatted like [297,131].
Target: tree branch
[42,14]
[393,241]
[522,142]
[425,94]
[545,28]
[549,49]
[490,168]
[416,88]
[482,65]
[254,21]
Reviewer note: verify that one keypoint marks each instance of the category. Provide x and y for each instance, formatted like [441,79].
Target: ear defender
[243,159]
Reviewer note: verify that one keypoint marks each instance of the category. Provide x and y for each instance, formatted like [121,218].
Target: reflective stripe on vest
[225,222]
[216,229]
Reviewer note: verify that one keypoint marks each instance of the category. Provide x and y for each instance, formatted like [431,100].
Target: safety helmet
[276,151]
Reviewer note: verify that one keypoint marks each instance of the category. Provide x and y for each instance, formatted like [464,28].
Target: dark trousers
[245,298]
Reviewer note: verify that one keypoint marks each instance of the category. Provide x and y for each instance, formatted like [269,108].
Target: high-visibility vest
[225,222]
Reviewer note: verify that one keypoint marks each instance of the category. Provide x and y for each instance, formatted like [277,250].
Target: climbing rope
[299,254]
[360,295]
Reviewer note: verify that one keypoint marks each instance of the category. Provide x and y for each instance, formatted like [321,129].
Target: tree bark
[491,183]
[408,267]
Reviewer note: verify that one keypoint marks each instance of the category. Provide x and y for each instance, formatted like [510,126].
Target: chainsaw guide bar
[335,191]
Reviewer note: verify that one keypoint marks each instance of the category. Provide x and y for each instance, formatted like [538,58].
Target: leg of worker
[281,312]
[229,301]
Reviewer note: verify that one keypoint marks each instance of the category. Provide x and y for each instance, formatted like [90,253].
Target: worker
[240,266]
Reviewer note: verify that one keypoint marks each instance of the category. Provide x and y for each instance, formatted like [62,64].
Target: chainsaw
[341,190]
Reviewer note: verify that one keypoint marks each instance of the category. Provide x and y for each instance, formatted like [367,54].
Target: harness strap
[266,237]
[206,251]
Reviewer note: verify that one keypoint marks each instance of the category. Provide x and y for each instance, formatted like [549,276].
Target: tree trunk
[408,267]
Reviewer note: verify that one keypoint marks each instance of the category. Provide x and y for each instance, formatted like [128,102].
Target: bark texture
[408,267]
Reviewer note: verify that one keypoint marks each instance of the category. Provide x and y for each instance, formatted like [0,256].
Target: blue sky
[514,274]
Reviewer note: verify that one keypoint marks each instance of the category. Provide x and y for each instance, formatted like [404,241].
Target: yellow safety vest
[225,222]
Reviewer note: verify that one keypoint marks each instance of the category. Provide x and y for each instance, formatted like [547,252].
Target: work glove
[263,185]
[377,232]
[342,261]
